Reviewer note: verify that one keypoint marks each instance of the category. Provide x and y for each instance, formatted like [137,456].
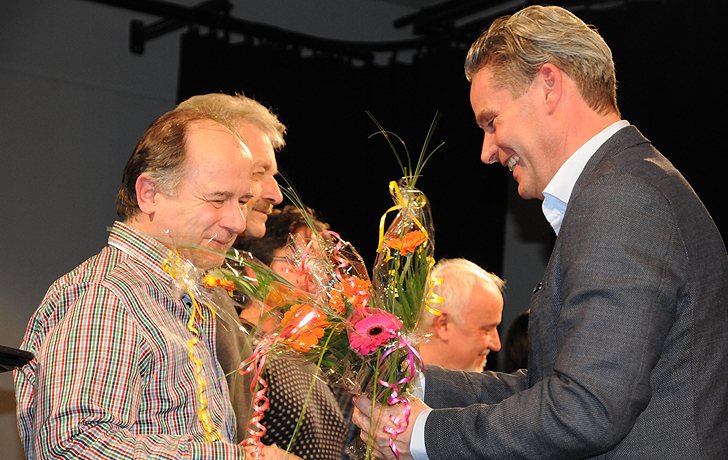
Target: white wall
[73,103]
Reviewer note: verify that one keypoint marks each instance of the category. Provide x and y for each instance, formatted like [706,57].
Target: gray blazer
[628,332]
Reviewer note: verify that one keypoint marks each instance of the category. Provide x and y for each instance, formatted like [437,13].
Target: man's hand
[274,452]
[372,428]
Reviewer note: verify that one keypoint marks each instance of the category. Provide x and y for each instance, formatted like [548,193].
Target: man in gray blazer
[629,327]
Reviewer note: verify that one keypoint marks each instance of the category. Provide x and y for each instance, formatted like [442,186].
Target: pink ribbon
[343,262]
[256,364]
[401,423]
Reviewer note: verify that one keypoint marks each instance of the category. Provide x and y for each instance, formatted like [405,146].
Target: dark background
[666,55]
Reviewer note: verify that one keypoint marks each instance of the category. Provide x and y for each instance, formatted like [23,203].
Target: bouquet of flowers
[360,333]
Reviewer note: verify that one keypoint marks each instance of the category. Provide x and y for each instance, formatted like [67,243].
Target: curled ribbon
[432,298]
[303,274]
[212,434]
[256,364]
[399,204]
[175,267]
[343,262]
[340,273]
[401,423]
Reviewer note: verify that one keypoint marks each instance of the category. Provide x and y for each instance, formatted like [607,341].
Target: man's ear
[551,82]
[443,326]
[146,194]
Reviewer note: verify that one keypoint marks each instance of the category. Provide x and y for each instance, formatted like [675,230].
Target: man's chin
[255,228]
[479,366]
[206,259]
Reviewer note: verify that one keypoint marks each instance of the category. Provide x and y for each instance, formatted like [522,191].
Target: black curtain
[671,85]
[668,57]
[338,169]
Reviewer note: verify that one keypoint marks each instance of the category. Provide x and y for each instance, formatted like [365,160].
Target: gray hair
[458,278]
[237,109]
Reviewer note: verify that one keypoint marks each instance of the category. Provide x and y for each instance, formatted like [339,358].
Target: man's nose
[489,152]
[235,218]
[495,343]
[270,191]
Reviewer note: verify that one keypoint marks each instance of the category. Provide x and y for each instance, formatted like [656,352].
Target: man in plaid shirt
[118,373]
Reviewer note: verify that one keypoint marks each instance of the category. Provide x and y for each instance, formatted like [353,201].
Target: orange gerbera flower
[408,243]
[210,281]
[360,292]
[303,326]
[355,290]
[336,301]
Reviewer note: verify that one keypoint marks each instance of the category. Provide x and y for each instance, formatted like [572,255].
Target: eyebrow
[484,116]
[265,165]
[221,194]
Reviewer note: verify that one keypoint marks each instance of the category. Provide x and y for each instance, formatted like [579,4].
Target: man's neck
[431,352]
[584,125]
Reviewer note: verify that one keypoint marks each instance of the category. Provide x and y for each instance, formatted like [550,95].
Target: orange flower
[210,281]
[355,290]
[303,326]
[280,295]
[336,301]
[408,243]
[360,291]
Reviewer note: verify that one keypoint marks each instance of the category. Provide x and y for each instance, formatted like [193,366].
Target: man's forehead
[210,143]
[206,125]
[211,128]
[258,142]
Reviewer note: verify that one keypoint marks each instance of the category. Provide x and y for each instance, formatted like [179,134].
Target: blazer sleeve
[448,388]
[613,288]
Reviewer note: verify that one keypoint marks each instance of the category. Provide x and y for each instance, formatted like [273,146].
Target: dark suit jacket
[628,332]
[232,348]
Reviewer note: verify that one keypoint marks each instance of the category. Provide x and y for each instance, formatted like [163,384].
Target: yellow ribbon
[174,267]
[399,204]
[433,298]
[212,433]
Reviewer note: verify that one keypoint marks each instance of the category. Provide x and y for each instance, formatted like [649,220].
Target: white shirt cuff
[417,440]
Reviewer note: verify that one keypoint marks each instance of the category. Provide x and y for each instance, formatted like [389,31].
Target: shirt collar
[558,191]
[143,248]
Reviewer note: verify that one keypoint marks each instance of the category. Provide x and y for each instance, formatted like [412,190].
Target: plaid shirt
[112,376]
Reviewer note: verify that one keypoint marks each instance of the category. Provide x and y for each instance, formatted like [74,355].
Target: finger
[378,442]
[360,420]
[364,404]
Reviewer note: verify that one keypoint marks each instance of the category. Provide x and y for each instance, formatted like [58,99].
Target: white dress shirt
[558,191]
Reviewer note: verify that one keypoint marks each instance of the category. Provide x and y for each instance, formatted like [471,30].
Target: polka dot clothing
[323,431]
